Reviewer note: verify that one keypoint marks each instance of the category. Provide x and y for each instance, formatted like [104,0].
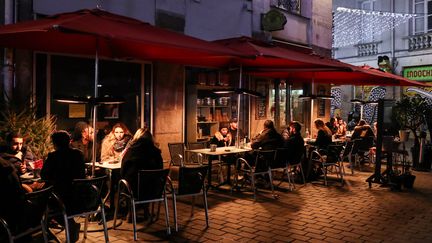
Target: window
[423,21]
[292,6]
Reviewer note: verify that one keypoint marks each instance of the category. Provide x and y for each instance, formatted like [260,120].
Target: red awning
[272,56]
[359,76]
[114,36]
[276,62]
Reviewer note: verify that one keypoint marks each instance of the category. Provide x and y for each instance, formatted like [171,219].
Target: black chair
[151,188]
[177,153]
[87,197]
[327,160]
[191,183]
[38,203]
[197,158]
[294,165]
[263,161]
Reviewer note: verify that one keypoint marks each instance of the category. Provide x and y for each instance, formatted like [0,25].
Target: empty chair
[191,183]
[197,158]
[87,201]
[38,204]
[177,153]
[151,188]
[262,166]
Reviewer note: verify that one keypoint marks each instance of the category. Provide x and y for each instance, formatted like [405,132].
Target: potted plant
[408,113]
[37,131]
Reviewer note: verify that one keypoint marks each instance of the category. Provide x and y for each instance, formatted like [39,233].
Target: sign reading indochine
[420,73]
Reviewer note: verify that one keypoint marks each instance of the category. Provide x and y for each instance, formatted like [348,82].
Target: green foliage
[36,131]
[409,112]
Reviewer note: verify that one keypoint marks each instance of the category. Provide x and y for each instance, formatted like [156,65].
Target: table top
[220,150]
[107,165]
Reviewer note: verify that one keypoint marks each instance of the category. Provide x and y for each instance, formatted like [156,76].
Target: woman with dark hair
[324,136]
[115,142]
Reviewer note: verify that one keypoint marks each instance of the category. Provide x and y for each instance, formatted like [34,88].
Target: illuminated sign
[422,73]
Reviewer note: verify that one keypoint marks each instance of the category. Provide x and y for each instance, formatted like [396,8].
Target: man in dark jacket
[60,168]
[17,153]
[294,142]
[268,138]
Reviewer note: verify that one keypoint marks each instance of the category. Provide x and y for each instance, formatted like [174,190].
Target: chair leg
[290,185]
[253,186]
[351,163]
[206,207]
[271,184]
[44,229]
[134,220]
[325,174]
[302,173]
[66,226]
[166,215]
[175,212]
[192,207]
[104,223]
[85,226]
[116,209]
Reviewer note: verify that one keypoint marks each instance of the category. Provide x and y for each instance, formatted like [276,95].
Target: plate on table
[27,176]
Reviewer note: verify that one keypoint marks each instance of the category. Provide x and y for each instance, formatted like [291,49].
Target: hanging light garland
[352,26]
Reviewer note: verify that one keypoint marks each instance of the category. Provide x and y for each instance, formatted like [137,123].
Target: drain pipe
[8,67]
[392,38]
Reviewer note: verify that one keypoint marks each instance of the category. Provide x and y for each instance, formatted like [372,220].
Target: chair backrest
[176,151]
[191,179]
[194,157]
[347,149]
[264,159]
[297,157]
[151,184]
[38,202]
[356,146]
[87,193]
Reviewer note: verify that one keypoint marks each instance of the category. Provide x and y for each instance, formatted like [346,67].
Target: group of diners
[66,163]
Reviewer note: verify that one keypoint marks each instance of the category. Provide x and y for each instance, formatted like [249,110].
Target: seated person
[17,153]
[324,136]
[332,125]
[268,138]
[60,168]
[222,138]
[232,129]
[294,142]
[142,154]
[14,209]
[115,142]
[362,130]
[82,139]
[341,128]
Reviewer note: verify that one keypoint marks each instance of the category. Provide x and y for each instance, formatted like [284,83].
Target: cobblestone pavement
[310,213]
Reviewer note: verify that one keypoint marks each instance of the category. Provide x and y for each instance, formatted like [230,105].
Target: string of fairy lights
[352,26]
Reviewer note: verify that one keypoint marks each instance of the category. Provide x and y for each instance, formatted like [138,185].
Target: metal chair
[191,183]
[196,158]
[151,188]
[262,166]
[177,153]
[327,160]
[295,165]
[87,201]
[38,201]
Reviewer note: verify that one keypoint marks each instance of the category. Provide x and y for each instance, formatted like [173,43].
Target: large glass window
[73,76]
[292,109]
[423,21]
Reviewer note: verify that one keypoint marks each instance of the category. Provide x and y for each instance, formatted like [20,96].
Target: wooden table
[219,152]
